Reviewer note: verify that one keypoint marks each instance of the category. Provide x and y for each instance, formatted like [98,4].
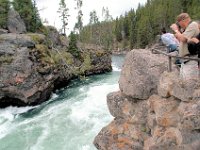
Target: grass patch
[6,59]
[37,38]
[86,63]
[54,57]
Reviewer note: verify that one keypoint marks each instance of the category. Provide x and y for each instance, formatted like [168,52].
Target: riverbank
[33,65]
[69,120]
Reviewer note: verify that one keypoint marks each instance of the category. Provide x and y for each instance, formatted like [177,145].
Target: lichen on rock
[154,109]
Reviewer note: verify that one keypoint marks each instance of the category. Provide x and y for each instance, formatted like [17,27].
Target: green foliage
[68,57]
[37,38]
[138,28]
[98,33]
[29,13]
[194,9]
[93,18]
[4,8]
[117,32]
[6,59]
[52,57]
[86,63]
[73,49]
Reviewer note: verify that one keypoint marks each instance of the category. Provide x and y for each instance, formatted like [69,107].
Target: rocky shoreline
[154,109]
[30,69]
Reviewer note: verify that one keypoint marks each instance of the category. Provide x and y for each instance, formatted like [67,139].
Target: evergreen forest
[134,29]
[138,28]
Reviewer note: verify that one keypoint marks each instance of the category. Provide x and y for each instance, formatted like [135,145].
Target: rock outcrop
[139,76]
[15,24]
[30,69]
[154,109]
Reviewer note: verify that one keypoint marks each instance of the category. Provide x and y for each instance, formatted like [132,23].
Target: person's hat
[182,16]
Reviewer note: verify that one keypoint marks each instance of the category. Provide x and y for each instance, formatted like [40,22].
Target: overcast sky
[48,9]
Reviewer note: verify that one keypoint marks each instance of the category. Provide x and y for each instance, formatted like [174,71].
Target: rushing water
[68,121]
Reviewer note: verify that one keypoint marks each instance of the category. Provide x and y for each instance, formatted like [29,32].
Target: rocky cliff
[154,109]
[32,65]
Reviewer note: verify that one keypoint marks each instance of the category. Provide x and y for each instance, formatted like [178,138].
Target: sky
[48,10]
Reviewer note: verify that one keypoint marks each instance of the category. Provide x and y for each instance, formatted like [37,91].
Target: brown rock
[140,72]
[166,83]
[186,90]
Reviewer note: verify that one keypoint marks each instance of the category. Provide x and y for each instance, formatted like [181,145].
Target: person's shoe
[178,63]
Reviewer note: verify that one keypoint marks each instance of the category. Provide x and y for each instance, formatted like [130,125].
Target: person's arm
[191,32]
[193,40]
[177,33]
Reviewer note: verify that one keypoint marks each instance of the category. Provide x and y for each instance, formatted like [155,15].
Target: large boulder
[151,120]
[128,130]
[25,79]
[20,81]
[140,73]
[120,134]
[173,84]
[15,24]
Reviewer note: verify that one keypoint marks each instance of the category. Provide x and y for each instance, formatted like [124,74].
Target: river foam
[68,121]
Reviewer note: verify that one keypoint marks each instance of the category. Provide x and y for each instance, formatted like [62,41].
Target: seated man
[190,30]
[169,40]
[194,44]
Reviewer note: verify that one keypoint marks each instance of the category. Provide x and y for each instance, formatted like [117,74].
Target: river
[68,121]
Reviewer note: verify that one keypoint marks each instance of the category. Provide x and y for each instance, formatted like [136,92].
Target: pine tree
[36,17]
[117,30]
[106,31]
[79,25]
[63,11]
[132,30]
[4,8]
[93,17]
[73,49]
[106,14]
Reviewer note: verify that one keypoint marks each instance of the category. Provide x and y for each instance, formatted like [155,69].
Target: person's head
[183,20]
[163,30]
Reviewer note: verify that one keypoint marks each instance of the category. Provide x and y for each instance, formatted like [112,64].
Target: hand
[174,27]
[194,40]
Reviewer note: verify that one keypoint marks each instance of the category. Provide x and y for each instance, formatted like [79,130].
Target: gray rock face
[19,40]
[29,72]
[20,82]
[15,24]
[53,36]
[185,89]
[168,119]
[140,72]
[128,130]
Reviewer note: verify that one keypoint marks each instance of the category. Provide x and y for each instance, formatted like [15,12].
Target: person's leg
[172,48]
[192,48]
[198,52]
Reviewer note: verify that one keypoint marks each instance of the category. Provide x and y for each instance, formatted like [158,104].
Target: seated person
[169,40]
[190,30]
[194,44]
